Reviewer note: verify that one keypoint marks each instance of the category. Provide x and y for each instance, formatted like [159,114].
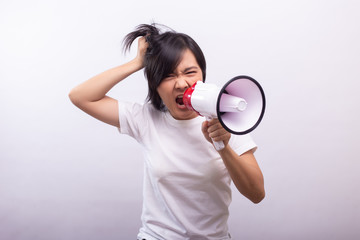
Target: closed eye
[170,76]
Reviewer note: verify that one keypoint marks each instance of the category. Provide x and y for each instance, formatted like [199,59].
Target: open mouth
[179,100]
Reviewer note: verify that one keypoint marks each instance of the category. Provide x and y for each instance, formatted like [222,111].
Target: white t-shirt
[186,190]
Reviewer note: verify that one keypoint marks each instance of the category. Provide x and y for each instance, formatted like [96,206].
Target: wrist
[225,150]
[138,63]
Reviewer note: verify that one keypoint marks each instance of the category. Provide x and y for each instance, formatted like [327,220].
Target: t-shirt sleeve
[131,119]
[242,143]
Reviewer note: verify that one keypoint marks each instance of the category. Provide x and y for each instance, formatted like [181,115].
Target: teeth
[179,100]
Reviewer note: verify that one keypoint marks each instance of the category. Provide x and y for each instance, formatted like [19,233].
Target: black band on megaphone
[221,114]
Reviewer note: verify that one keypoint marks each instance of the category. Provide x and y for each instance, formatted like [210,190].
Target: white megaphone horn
[239,104]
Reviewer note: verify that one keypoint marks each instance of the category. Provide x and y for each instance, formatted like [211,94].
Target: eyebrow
[189,68]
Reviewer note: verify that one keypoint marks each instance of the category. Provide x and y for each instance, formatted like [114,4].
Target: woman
[186,181]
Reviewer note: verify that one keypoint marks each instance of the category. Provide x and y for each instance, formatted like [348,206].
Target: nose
[182,84]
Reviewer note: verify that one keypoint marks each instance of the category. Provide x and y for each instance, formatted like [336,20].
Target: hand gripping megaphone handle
[218,145]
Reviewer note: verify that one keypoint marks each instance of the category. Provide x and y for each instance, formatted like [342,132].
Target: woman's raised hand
[142,47]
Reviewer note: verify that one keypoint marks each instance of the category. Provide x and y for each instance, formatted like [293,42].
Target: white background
[64,175]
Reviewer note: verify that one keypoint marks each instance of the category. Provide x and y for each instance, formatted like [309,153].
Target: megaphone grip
[218,145]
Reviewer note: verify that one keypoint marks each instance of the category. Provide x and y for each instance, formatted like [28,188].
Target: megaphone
[239,104]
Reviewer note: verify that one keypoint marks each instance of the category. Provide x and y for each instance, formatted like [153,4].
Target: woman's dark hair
[163,56]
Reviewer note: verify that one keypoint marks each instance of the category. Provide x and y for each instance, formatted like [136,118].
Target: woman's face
[172,88]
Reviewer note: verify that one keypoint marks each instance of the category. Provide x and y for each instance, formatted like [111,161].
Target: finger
[220,137]
[215,126]
[204,127]
[217,133]
[142,43]
[213,121]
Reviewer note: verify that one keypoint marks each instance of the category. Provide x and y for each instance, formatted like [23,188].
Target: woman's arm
[90,96]
[243,169]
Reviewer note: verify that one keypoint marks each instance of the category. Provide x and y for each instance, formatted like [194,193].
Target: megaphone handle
[218,145]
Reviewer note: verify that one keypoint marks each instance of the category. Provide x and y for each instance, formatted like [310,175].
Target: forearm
[245,173]
[96,87]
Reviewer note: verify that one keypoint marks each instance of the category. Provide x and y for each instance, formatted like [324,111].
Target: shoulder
[138,113]
[242,143]
[135,109]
